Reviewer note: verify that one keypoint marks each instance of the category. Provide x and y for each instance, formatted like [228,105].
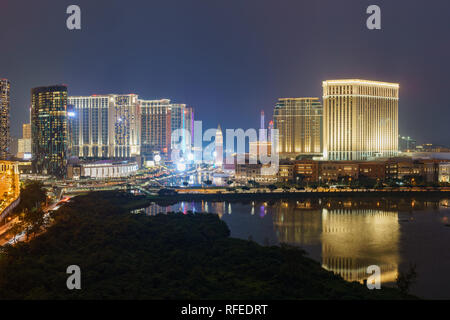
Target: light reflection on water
[347,235]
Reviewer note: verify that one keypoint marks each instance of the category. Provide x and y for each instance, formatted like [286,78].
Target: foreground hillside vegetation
[175,256]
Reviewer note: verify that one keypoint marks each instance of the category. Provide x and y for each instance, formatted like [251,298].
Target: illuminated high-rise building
[360,119]
[263,122]
[24,144]
[89,126]
[5,87]
[26,131]
[299,124]
[125,128]
[105,126]
[189,123]
[218,156]
[49,130]
[182,117]
[156,126]
[406,144]
[269,130]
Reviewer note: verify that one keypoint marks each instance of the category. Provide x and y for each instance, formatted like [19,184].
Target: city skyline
[82,129]
[210,75]
[206,153]
[319,100]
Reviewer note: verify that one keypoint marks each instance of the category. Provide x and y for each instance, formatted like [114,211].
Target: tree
[367,182]
[300,180]
[406,279]
[413,180]
[29,211]
[272,187]
[34,221]
[32,195]
[16,228]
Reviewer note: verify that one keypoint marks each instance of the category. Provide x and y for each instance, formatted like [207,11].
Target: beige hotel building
[360,119]
[299,124]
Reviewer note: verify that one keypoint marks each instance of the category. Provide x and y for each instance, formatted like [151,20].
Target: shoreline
[295,195]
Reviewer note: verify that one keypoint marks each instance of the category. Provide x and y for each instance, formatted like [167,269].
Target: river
[346,235]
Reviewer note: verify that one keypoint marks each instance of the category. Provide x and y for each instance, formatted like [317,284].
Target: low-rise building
[254,172]
[335,171]
[9,185]
[373,169]
[103,169]
[285,172]
[306,170]
[444,172]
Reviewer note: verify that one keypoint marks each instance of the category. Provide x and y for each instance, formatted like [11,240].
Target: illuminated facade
[123,126]
[9,185]
[218,156]
[156,126]
[49,129]
[102,169]
[105,126]
[89,126]
[260,148]
[5,87]
[24,144]
[360,119]
[299,124]
[182,117]
[444,172]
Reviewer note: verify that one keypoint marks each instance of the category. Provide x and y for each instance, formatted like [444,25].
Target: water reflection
[345,235]
[348,240]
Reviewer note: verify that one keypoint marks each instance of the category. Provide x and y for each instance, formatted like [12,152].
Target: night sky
[230,59]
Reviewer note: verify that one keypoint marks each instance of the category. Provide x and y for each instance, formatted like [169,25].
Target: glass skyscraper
[49,130]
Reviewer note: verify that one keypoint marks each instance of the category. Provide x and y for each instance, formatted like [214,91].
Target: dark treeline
[175,256]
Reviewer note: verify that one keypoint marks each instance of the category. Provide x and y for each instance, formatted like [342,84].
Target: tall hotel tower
[156,126]
[218,152]
[360,119]
[104,126]
[159,119]
[299,124]
[123,126]
[182,117]
[49,129]
[4,118]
